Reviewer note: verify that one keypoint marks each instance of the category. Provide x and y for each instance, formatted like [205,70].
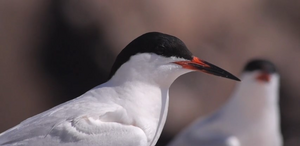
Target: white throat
[255,95]
[145,79]
[254,102]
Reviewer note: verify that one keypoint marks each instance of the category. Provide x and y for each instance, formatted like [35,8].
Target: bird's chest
[147,110]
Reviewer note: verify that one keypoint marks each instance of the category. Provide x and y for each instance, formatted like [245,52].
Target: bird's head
[160,58]
[261,72]
[260,82]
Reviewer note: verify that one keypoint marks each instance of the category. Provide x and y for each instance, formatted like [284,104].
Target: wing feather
[85,121]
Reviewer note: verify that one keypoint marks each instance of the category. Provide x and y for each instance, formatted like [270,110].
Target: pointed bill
[203,66]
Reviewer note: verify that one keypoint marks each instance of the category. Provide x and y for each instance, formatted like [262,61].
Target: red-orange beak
[263,77]
[200,65]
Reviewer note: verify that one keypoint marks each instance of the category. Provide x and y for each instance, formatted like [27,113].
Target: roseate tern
[249,118]
[129,109]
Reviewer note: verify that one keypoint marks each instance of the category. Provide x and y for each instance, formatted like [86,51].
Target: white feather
[249,118]
[128,110]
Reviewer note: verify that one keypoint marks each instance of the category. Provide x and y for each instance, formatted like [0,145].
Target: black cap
[261,65]
[152,42]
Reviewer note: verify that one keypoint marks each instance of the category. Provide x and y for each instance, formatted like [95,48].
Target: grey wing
[211,141]
[36,126]
[75,124]
[41,125]
[205,131]
[112,135]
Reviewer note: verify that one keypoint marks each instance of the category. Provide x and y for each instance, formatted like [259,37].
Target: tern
[249,118]
[130,109]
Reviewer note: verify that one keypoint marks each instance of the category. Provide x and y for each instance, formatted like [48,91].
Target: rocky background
[52,51]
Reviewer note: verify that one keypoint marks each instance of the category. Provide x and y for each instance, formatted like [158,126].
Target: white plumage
[130,109]
[249,118]
[118,112]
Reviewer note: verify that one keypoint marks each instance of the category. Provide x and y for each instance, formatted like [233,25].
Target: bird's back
[85,120]
[41,125]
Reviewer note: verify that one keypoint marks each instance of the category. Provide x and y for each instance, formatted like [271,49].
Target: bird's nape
[203,66]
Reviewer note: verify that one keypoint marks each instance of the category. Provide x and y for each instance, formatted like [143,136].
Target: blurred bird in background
[54,50]
[249,118]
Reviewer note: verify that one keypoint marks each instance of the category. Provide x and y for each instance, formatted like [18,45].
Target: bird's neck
[254,104]
[253,111]
[143,91]
[146,104]
[136,78]
[148,69]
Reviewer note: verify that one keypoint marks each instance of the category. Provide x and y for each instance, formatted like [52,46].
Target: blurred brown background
[54,50]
